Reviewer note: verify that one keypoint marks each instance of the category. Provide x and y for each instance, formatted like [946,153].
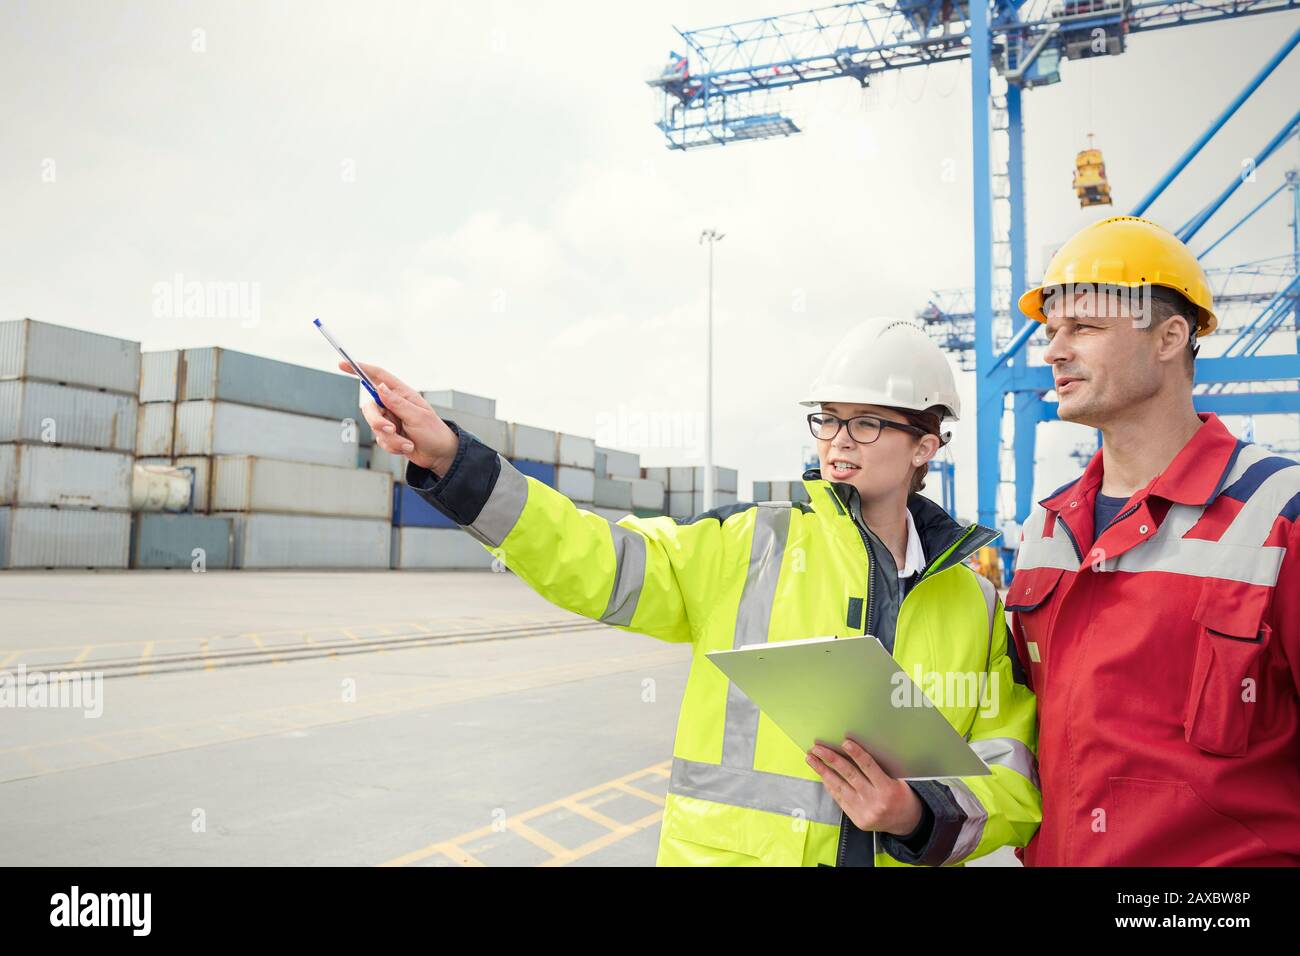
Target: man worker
[1156,599]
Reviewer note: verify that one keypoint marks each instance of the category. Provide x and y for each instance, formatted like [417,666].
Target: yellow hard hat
[1127,251]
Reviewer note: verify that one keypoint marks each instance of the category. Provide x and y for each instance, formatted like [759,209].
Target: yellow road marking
[85,651]
[461,855]
[608,839]
[537,839]
[517,823]
[638,792]
[594,815]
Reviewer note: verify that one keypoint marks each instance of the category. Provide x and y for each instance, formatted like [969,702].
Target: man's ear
[1173,332]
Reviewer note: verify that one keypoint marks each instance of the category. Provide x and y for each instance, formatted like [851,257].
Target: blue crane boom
[726,89]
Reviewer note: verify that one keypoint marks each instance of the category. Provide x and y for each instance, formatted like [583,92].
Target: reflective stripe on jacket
[1166,658]
[740,790]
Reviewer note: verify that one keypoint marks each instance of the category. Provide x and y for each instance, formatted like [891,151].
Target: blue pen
[374,392]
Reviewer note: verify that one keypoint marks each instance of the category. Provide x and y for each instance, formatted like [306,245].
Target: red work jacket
[1166,659]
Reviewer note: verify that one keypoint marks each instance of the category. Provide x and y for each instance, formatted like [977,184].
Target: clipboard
[824,689]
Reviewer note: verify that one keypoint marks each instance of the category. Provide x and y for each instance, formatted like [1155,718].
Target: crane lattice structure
[728,85]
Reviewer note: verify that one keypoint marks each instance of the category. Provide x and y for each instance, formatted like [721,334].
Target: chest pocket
[1231,641]
[1029,598]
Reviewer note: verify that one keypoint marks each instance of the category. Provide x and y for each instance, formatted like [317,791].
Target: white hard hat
[892,362]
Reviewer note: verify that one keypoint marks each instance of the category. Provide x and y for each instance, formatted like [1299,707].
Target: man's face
[1101,356]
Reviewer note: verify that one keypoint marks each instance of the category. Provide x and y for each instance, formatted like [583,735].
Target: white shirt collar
[914,559]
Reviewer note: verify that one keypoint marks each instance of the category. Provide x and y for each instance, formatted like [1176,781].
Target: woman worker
[868,555]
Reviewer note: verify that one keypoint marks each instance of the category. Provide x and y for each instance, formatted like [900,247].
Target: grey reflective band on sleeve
[771,526]
[503,507]
[1008,752]
[990,597]
[754,789]
[991,600]
[629,575]
[972,828]
[1251,527]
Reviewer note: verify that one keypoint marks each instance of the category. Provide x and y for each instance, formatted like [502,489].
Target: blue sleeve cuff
[464,490]
[932,846]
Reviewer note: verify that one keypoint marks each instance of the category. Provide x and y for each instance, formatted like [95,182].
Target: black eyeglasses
[863,429]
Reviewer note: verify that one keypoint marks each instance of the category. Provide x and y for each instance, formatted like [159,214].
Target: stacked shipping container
[67,433]
[279,464]
[274,449]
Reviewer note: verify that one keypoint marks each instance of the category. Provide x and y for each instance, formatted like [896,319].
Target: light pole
[711,236]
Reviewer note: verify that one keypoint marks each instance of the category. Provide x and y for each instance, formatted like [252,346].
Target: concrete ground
[245,718]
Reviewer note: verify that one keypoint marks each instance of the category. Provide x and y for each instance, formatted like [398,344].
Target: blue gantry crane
[726,87]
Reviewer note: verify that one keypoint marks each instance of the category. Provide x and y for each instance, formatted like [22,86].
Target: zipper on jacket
[871,592]
[1070,534]
[845,822]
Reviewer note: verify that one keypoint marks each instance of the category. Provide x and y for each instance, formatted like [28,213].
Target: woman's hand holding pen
[407,425]
[872,798]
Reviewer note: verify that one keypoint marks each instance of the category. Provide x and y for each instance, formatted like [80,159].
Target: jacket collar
[937,529]
[1194,477]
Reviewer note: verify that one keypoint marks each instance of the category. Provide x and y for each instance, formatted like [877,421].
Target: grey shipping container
[614,493]
[621,464]
[309,541]
[381,460]
[64,477]
[762,491]
[155,429]
[194,542]
[532,444]
[462,402]
[447,549]
[64,415]
[681,478]
[160,376]
[490,431]
[243,483]
[647,493]
[224,428]
[691,503]
[578,484]
[222,375]
[656,474]
[56,353]
[64,538]
[575,451]
[724,479]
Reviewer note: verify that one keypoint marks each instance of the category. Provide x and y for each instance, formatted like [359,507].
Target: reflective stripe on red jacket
[1166,660]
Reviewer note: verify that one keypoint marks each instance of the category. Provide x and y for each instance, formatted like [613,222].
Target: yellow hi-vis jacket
[740,790]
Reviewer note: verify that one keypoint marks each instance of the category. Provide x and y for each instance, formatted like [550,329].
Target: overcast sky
[476,197]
